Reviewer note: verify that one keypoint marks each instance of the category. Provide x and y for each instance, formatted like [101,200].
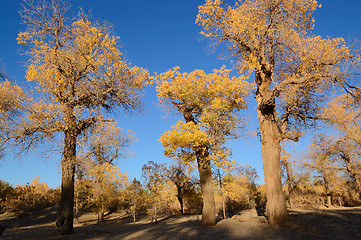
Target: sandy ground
[337,223]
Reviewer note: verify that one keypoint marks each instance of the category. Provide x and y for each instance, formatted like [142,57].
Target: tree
[81,75]
[209,104]
[292,70]
[240,188]
[179,174]
[105,182]
[135,198]
[102,146]
[296,178]
[154,178]
[11,103]
[105,143]
[344,113]
[324,162]
[5,191]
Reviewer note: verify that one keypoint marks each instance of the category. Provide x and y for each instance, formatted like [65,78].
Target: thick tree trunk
[205,175]
[271,151]
[207,188]
[64,221]
[180,199]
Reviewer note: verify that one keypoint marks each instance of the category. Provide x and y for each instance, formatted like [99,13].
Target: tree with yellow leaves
[95,164]
[81,75]
[154,178]
[209,104]
[105,182]
[344,113]
[240,189]
[292,69]
[135,198]
[11,103]
[324,162]
[180,175]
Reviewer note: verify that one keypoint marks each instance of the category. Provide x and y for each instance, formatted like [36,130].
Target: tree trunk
[221,190]
[180,199]
[64,221]
[223,207]
[101,213]
[155,213]
[329,202]
[207,188]
[206,179]
[77,207]
[327,187]
[271,150]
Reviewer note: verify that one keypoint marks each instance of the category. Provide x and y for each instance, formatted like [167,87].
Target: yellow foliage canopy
[209,104]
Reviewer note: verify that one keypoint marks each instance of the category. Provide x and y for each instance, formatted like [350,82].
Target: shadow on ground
[343,223]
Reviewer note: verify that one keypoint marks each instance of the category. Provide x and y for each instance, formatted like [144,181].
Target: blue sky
[156,35]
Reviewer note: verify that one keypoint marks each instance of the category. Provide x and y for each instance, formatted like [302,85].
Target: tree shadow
[305,224]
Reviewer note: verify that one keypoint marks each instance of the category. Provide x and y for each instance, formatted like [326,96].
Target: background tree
[102,146]
[180,175]
[154,179]
[219,174]
[344,114]
[208,103]
[5,191]
[240,188]
[105,183]
[290,174]
[271,39]
[323,161]
[30,197]
[135,199]
[81,75]
[12,102]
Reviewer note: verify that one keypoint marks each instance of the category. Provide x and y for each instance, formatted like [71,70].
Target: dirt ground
[337,223]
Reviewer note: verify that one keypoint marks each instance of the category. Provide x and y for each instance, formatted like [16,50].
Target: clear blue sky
[156,35]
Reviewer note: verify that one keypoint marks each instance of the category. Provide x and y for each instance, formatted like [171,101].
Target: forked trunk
[64,221]
[207,188]
[271,151]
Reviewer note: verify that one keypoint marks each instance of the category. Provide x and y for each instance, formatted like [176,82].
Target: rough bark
[207,188]
[180,199]
[206,179]
[271,152]
[64,221]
